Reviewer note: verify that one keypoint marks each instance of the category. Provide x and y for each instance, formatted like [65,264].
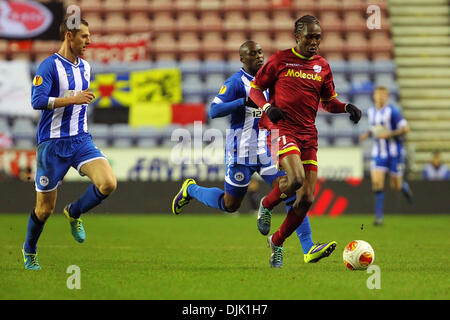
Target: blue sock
[34,230]
[406,190]
[212,197]
[91,198]
[303,231]
[379,204]
[304,235]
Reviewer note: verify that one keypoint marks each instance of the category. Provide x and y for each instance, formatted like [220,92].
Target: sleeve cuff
[51,103]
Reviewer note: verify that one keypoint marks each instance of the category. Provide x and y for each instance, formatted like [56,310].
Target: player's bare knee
[232,206]
[295,183]
[108,186]
[43,212]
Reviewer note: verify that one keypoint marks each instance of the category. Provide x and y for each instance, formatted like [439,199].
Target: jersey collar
[301,56]
[248,75]
[68,61]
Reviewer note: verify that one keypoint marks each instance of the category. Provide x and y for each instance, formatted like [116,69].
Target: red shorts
[304,146]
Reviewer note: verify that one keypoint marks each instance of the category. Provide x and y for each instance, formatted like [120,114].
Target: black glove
[274,113]
[249,103]
[355,113]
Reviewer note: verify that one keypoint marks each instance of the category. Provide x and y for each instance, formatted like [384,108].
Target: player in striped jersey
[246,152]
[388,128]
[61,91]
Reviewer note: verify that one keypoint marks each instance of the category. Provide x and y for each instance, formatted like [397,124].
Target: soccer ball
[358,255]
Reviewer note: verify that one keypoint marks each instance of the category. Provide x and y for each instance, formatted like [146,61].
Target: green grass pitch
[221,257]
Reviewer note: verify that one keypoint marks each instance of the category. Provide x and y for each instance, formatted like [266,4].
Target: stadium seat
[380,42]
[96,24]
[188,41]
[328,5]
[232,66]
[4,126]
[183,5]
[342,85]
[139,22]
[383,66]
[352,5]
[363,101]
[147,137]
[190,66]
[342,126]
[211,21]
[323,127]
[45,46]
[361,83]
[233,42]
[284,40]
[164,42]
[163,21]
[387,80]
[356,42]
[115,22]
[264,38]
[217,67]
[192,84]
[354,21]
[330,21]
[210,4]
[113,5]
[332,42]
[235,21]
[212,42]
[23,127]
[187,21]
[137,6]
[100,134]
[123,135]
[259,21]
[89,6]
[282,21]
[305,7]
[323,142]
[161,5]
[338,66]
[214,82]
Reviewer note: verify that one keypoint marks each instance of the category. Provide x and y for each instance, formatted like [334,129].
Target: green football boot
[30,260]
[182,198]
[319,251]
[76,225]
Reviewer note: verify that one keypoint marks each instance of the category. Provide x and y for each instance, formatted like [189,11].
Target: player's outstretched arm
[223,109]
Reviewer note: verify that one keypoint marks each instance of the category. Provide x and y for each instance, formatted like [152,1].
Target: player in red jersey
[299,80]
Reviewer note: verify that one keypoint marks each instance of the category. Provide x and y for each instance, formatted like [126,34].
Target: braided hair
[302,22]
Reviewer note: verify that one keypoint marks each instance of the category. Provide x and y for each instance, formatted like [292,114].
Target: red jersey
[296,84]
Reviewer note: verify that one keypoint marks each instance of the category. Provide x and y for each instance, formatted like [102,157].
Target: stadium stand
[201,39]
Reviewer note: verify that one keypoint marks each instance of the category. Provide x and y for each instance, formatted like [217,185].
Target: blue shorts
[55,157]
[395,165]
[238,177]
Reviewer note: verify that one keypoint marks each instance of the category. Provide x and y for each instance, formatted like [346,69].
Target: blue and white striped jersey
[391,119]
[58,77]
[244,143]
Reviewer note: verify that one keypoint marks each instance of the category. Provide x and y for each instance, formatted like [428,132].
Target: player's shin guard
[289,225]
[212,197]
[90,199]
[34,230]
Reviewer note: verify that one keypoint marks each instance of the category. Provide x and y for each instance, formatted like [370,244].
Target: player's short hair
[303,21]
[382,88]
[63,28]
